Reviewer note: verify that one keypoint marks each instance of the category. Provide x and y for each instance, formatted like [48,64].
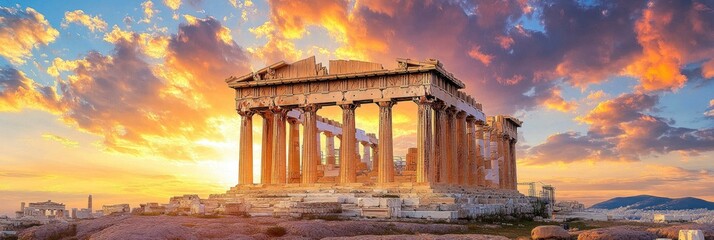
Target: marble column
[462,150]
[366,152]
[375,157]
[480,159]
[440,145]
[279,164]
[487,147]
[330,148]
[425,165]
[319,148]
[452,166]
[347,144]
[294,151]
[266,163]
[309,150]
[514,171]
[506,162]
[386,156]
[472,149]
[245,160]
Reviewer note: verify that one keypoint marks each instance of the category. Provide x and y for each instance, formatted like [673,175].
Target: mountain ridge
[649,202]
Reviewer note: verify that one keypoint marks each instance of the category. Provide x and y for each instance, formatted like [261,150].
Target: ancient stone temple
[464,163]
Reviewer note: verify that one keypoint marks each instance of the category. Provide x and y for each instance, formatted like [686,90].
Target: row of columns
[453,148]
[457,151]
[274,169]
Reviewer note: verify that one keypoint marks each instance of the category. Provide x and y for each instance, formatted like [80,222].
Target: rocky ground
[232,227]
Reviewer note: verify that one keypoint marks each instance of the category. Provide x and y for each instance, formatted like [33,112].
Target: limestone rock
[673,231]
[423,237]
[48,231]
[549,232]
[617,233]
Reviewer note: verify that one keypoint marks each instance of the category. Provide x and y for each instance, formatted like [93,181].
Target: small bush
[276,231]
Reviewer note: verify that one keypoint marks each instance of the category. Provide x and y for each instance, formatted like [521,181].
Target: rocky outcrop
[231,227]
[617,233]
[549,232]
[673,231]
[423,237]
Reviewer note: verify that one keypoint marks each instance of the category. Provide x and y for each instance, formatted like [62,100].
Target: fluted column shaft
[440,145]
[425,165]
[472,158]
[266,163]
[294,151]
[279,164]
[386,156]
[366,152]
[309,150]
[480,159]
[245,160]
[452,140]
[330,148]
[375,157]
[499,158]
[462,150]
[347,144]
[514,171]
[487,148]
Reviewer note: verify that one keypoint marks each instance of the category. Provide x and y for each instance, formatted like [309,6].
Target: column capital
[310,108]
[470,119]
[386,103]
[279,110]
[293,120]
[328,134]
[451,110]
[246,113]
[423,100]
[349,105]
[438,105]
[460,114]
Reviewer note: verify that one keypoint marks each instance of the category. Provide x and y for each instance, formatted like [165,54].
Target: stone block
[390,202]
[368,202]
[445,215]
[376,212]
[410,202]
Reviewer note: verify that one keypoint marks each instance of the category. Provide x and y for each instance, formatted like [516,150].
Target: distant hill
[647,202]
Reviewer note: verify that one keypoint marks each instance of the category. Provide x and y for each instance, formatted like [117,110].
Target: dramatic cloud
[140,108]
[78,16]
[622,129]
[486,44]
[21,31]
[18,92]
[556,102]
[153,45]
[672,34]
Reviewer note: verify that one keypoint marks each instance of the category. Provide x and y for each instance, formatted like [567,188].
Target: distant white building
[116,208]
[668,218]
[49,210]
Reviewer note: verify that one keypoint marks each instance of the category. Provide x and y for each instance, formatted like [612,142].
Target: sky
[127,101]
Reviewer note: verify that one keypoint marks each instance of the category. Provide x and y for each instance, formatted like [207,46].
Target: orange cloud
[671,34]
[153,45]
[478,55]
[622,130]
[18,92]
[556,102]
[708,69]
[148,8]
[175,110]
[21,31]
[78,16]
[64,141]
